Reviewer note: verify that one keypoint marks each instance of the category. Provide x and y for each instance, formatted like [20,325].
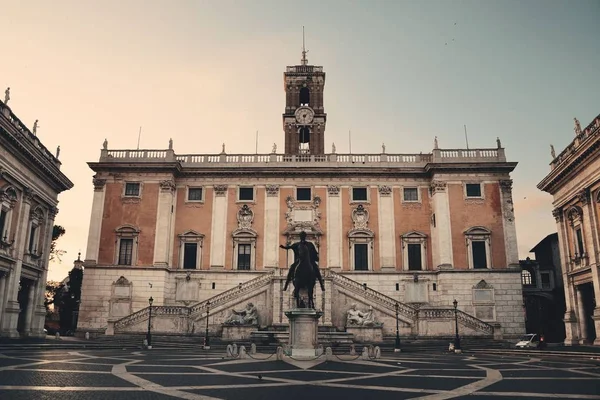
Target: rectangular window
[246,194]
[243,261]
[3,215]
[303,194]
[125,251]
[479,255]
[194,194]
[190,253]
[579,236]
[132,189]
[360,257]
[32,239]
[359,194]
[473,190]
[414,257]
[545,280]
[411,194]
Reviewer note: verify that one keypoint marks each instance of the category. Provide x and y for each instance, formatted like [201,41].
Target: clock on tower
[304,117]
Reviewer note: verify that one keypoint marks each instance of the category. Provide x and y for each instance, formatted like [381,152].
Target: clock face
[304,115]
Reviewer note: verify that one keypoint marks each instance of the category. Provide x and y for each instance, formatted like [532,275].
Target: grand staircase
[185,318]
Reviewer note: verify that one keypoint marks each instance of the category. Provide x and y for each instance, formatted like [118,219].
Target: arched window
[479,251]
[126,244]
[304,96]
[35,226]
[361,249]
[414,251]
[8,200]
[526,278]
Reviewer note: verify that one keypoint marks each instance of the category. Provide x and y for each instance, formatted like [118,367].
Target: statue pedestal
[303,341]
[238,332]
[366,334]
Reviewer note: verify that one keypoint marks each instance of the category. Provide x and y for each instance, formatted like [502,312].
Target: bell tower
[304,117]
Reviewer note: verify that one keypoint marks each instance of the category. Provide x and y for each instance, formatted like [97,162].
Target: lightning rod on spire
[304,51]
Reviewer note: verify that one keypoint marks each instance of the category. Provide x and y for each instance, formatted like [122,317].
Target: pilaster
[218,238]
[12,308]
[387,242]
[441,237]
[271,227]
[334,227]
[508,223]
[93,244]
[164,221]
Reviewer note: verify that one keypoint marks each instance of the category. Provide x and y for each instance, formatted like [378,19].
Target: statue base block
[238,332]
[366,334]
[303,340]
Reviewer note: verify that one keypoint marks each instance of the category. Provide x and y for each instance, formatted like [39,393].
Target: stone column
[93,243]
[582,316]
[508,223]
[30,309]
[387,240]
[271,228]
[570,319]
[39,315]
[12,308]
[218,237]
[441,233]
[164,222]
[334,228]
[3,289]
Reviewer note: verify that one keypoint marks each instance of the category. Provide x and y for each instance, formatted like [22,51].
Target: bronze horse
[304,276]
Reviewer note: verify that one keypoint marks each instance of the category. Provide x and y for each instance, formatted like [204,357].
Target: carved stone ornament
[316,201]
[557,214]
[220,190]
[9,195]
[131,200]
[245,217]
[121,281]
[360,217]
[437,187]
[584,196]
[52,212]
[483,285]
[98,183]
[272,190]
[506,185]
[385,190]
[574,213]
[167,185]
[28,194]
[333,190]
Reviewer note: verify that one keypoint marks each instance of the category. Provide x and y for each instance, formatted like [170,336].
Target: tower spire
[304,51]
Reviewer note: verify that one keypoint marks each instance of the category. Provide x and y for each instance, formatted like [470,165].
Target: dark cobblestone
[147,368]
[59,379]
[196,380]
[255,367]
[79,395]
[70,366]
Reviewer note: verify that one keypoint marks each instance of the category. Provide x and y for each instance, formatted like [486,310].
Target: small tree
[52,288]
[56,254]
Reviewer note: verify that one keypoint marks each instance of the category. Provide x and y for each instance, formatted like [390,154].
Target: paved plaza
[169,374]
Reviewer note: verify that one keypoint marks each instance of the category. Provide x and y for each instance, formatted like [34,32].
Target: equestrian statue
[304,271]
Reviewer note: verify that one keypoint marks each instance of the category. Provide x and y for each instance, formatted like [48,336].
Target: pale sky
[207,72]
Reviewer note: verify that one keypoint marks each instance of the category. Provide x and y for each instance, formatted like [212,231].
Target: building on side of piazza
[412,230]
[574,182]
[30,181]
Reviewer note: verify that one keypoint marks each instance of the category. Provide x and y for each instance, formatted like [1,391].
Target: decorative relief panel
[272,190]
[303,217]
[245,217]
[333,190]
[28,194]
[98,183]
[360,217]
[385,190]
[437,187]
[167,186]
[220,190]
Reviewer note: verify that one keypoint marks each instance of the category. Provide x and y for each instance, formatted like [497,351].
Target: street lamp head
[397,306]
[150,300]
[455,304]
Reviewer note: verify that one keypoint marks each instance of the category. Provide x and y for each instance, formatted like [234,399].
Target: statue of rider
[314,257]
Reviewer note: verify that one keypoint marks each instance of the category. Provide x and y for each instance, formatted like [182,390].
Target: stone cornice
[43,164]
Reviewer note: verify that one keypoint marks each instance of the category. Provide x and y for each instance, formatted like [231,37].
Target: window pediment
[361,233]
[478,231]
[191,235]
[127,231]
[244,233]
[574,213]
[414,235]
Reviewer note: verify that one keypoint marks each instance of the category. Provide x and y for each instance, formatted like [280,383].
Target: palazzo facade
[30,181]
[406,231]
[574,182]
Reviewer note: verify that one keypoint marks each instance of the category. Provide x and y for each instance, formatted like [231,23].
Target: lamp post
[206,339]
[397,347]
[457,348]
[149,335]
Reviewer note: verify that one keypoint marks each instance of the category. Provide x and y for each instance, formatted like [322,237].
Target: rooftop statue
[6,95]
[105,144]
[35,126]
[577,126]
